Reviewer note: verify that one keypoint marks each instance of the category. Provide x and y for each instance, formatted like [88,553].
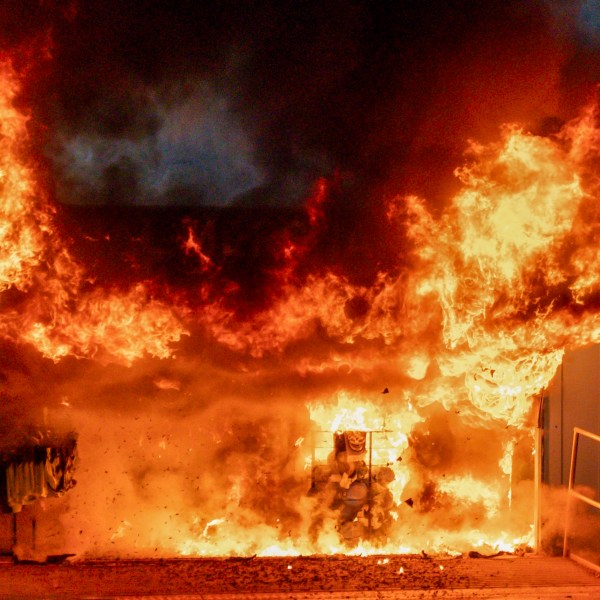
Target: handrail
[572,493]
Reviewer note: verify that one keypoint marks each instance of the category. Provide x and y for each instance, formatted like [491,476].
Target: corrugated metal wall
[573,400]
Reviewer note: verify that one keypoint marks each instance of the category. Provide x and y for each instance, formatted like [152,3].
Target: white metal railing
[572,493]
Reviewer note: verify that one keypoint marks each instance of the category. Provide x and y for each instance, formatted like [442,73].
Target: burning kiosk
[470,321]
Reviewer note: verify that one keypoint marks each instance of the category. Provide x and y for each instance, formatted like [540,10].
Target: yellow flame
[59,317]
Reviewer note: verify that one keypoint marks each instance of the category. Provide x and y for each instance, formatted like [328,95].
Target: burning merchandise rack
[350,475]
[41,468]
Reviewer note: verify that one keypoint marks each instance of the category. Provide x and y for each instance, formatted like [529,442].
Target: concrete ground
[303,578]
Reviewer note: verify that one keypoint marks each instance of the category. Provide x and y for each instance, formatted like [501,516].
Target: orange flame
[58,316]
[23,216]
[498,287]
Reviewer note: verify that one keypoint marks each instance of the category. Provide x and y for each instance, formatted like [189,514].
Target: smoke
[555,506]
[195,153]
[199,456]
[168,468]
[252,102]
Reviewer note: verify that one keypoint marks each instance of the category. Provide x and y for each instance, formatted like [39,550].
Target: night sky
[249,103]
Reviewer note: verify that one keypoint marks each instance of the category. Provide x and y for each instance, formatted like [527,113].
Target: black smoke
[220,103]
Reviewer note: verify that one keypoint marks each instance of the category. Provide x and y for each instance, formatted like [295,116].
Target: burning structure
[258,381]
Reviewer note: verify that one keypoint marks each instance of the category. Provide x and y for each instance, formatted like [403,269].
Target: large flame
[24,220]
[63,314]
[465,334]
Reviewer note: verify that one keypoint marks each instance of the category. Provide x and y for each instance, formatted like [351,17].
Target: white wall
[573,400]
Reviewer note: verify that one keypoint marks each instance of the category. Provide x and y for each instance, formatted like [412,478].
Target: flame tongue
[58,317]
[22,218]
[500,265]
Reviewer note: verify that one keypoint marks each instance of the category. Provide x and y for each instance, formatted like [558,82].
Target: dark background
[220,103]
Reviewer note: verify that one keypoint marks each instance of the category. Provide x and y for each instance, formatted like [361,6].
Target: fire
[193,246]
[59,316]
[494,259]
[271,434]
[23,218]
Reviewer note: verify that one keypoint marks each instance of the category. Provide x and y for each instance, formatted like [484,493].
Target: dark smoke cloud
[249,102]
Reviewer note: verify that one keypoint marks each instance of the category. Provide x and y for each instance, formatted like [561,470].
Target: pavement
[303,578]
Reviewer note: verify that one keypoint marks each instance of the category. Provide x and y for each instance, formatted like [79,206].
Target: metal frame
[572,493]
[369,442]
[537,475]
